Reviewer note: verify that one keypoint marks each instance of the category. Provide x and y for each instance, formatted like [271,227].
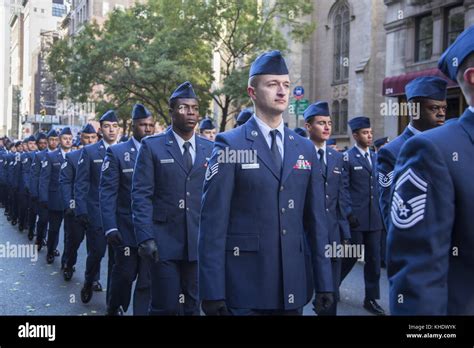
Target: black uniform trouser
[32,214]
[23,198]
[336,266]
[74,240]
[55,218]
[383,245]
[96,250]
[68,232]
[127,267]
[13,204]
[371,243]
[174,288]
[3,195]
[42,223]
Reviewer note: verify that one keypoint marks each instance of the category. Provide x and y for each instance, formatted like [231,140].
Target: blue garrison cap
[431,87]
[455,54]
[18,143]
[140,111]
[300,131]
[88,129]
[109,116]
[66,131]
[244,116]
[52,133]
[359,122]
[331,142]
[40,136]
[380,142]
[31,138]
[316,109]
[184,90]
[269,63]
[206,124]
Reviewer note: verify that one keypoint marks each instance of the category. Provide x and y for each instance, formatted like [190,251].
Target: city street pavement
[29,287]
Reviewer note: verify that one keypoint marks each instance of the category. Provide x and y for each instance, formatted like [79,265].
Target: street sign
[298,92]
[297,107]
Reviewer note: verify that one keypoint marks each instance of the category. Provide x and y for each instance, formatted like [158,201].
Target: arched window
[341,22]
[343,117]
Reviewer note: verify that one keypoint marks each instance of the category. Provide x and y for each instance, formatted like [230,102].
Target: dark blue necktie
[274,149]
[188,159]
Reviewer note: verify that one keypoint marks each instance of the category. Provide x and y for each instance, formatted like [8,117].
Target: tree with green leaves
[144,52]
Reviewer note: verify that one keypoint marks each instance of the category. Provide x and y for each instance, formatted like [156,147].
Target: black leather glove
[69,212]
[214,307]
[148,249]
[323,301]
[83,220]
[353,221]
[114,238]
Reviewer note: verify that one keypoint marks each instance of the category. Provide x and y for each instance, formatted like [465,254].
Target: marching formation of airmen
[196,228]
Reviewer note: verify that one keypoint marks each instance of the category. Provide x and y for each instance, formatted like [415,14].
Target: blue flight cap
[206,124]
[40,136]
[316,109]
[88,129]
[31,138]
[66,131]
[244,116]
[140,111]
[359,122]
[455,54]
[301,132]
[380,142]
[184,90]
[269,63]
[109,116]
[431,87]
[18,143]
[52,133]
[331,141]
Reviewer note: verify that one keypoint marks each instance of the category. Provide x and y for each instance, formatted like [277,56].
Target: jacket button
[188,194]
[282,210]
[187,209]
[327,196]
[327,209]
[281,188]
[283,232]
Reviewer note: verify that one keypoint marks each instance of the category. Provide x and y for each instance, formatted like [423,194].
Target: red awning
[395,85]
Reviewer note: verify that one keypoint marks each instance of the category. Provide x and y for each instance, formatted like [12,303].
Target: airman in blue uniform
[49,192]
[75,233]
[430,235]
[42,223]
[364,215]
[207,129]
[263,202]
[86,192]
[24,192]
[319,127]
[427,95]
[116,213]
[166,203]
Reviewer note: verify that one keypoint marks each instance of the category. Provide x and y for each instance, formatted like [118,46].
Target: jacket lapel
[291,154]
[199,160]
[101,149]
[259,144]
[362,160]
[173,149]
[330,159]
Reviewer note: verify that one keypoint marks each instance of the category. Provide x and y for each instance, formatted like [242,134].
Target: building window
[341,43]
[335,117]
[343,117]
[424,38]
[59,10]
[454,24]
